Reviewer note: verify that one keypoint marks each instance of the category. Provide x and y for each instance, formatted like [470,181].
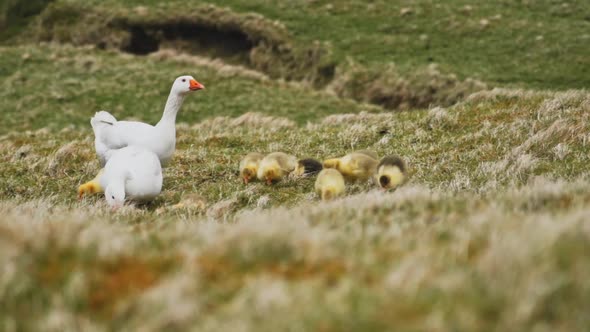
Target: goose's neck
[171,109]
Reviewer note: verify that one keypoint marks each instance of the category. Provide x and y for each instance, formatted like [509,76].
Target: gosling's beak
[194,85]
[268,181]
[80,195]
[245,180]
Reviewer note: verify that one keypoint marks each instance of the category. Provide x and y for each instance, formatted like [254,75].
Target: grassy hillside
[541,44]
[490,232]
[494,138]
[64,86]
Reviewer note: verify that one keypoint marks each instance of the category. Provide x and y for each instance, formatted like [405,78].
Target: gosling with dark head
[329,184]
[308,167]
[249,166]
[391,172]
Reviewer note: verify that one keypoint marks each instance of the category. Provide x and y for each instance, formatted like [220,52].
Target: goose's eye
[184,79]
[113,197]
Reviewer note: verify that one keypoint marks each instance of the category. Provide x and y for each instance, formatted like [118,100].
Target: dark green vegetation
[490,233]
[15,14]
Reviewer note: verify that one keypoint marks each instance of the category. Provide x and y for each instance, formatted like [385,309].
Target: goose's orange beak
[194,85]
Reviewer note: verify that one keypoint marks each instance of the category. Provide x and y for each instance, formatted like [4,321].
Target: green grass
[540,44]
[86,81]
[504,139]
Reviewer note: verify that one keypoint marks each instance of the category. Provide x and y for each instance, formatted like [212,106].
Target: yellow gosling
[354,166]
[275,166]
[391,172]
[329,184]
[91,187]
[369,153]
[249,166]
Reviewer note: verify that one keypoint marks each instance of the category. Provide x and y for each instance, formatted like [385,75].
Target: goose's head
[115,196]
[185,84]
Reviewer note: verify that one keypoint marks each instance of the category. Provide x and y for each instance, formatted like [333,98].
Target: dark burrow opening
[233,46]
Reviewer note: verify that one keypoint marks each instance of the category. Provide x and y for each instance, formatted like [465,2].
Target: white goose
[111,135]
[132,173]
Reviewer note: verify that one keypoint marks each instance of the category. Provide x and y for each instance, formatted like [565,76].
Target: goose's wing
[111,135]
[101,124]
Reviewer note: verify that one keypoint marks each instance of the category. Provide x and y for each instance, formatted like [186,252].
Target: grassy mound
[493,139]
[244,39]
[387,87]
[88,80]
[206,30]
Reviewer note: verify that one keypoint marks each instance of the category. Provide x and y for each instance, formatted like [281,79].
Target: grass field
[491,232]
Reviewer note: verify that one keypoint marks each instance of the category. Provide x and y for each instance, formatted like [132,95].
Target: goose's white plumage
[111,135]
[131,173]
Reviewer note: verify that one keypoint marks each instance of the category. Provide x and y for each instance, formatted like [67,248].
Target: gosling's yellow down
[391,172]
[308,167]
[329,184]
[276,166]
[91,187]
[354,166]
[249,166]
[369,153]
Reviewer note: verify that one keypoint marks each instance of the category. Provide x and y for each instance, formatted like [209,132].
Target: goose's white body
[111,135]
[134,169]
[160,139]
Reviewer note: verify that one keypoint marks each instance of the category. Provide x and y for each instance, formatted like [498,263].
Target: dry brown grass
[501,260]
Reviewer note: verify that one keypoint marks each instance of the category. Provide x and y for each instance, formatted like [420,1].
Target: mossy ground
[490,232]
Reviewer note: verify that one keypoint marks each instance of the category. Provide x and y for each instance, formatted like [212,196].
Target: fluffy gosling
[91,187]
[249,166]
[307,167]
[276,166]
[391,172]
[369,153]
[354,166]
[329,184]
